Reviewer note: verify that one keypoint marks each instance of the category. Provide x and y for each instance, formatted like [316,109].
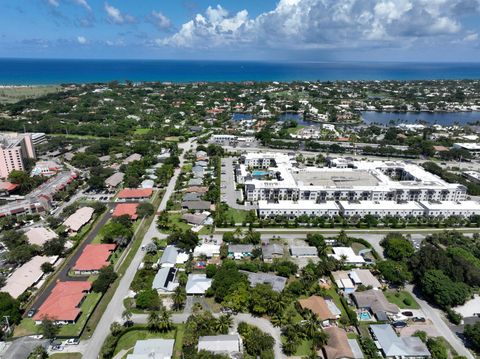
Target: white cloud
[82,40]
[55,3]
[315,24]
[83,3]
[471,37]
[115,16]
[160,20]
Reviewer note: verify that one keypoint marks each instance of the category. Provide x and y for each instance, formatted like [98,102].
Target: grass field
[399,298]
[66,356]
[18,93]
[294,130]
[239,215]
[141,131]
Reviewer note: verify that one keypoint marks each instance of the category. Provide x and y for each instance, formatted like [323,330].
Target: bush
[407,301]
[148,299]
[454,317]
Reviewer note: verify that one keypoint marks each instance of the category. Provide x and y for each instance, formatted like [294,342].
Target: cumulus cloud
[159,20]
[115,16]
[325,24]
[82,40]
[83,3]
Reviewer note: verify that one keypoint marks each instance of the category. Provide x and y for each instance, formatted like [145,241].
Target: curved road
[115,307]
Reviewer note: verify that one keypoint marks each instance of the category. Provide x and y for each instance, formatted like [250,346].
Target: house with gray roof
[393,346]
[164,279]
[114,180]
[272,251]
[169,257]
[195,182]
[197,284]
[276,282]
[240,251]
[191,197]
[196,219]
[303,251]
[152,348]
[220,344]
[196,205]
[375,302]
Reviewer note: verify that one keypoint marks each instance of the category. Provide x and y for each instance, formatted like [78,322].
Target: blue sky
[291,30]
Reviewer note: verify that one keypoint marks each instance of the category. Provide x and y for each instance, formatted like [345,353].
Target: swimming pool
[365,316]
[259,173]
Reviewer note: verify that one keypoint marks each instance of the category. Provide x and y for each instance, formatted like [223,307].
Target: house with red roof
[63,304]
[93,258]
[135,193]
[129,209]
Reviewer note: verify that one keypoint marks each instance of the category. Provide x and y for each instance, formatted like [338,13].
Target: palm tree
[153,323]
[179,297]
[165,321]
[312,325]
[320,339]
[223,323]
[277,320]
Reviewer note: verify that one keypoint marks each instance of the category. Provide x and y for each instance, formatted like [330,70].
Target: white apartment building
[381,209]
[365,181]
[473,148]
[297,208]
[451,208]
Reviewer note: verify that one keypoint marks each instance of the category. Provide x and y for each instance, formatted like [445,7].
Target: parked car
[407,313]
[31,313]
[72,341]
[399,325]
[57,348]
[419,320]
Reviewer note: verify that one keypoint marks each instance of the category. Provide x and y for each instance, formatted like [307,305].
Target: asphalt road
[62,274]
[436,316]
[115,308]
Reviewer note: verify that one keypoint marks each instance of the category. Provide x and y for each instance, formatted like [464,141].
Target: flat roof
[297,205]
[26,275]
[380,205]
[40,235]
[451,205]
[335,178]
[129,209]
[64,300]
[79,218]
[94,257]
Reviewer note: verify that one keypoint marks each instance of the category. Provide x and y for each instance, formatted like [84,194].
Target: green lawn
[88,305]
[303,349]
[175,220]
[177,349]
[66,356]
[18,93]
[336,299]
[398,297]
[26,327]
[239,215]
[141,131]
[294,130]
[129,339]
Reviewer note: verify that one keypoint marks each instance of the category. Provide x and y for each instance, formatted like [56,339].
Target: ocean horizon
[63,71]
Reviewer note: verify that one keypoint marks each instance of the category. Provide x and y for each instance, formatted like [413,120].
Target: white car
[72,341]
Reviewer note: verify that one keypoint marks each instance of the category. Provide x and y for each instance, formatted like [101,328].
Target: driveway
[436,316]
[228,191]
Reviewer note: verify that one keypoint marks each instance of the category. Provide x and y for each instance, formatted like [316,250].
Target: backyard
[402,299]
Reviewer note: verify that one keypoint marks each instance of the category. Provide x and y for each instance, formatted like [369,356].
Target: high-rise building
[14,149]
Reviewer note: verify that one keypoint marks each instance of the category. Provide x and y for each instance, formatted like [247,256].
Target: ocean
[54,71]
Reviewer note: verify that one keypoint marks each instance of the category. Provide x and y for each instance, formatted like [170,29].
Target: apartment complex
[277,177]
[14,149]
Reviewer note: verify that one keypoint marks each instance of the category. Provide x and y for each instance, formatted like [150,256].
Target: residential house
[197,205]
[276,282]
[375,302]
[153,349]
[164,279]
[169,257]
[208,250]
[346,255]
[240,251]
[325,309]
[303,251]
[221,344]
[339,346]
[272,251]
[198,284]
[393,346]
[195,219]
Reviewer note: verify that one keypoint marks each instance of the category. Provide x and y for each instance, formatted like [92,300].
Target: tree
[49,328]
[186,240]
[153,323]
[54,247]
[10,307]
[115,328]
[47,267]
[442,290]
[23,180]
[395,272]
[21,254]
[165,321]
[127,314]
[472,333]
[223,324]
[38,353]
[145,209]
[397,247]
[148,299]
[179,297]
[437,348]
[106,277]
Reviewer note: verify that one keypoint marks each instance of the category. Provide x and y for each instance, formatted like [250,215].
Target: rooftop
[135,193]
[63,302]
[395,346]
[198,283]
[78,219]
[129,209]
[40,235]
[94,257]
[276,282]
